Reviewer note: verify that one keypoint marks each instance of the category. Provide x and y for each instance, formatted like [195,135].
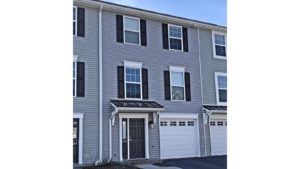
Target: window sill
[220,57]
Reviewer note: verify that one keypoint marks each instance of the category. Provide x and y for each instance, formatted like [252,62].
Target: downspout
[200,69]
[110,134]
[100,86]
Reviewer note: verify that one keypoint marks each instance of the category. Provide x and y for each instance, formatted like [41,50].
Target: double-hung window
[221,88]
[175,37]
[219,44]
[132,30]
[78,78]
[177,83]
[133,82]
[74,20]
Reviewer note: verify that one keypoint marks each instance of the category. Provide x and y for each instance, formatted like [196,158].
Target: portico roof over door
[136,105]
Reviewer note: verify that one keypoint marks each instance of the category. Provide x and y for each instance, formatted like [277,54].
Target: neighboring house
[214,86]
[137,85]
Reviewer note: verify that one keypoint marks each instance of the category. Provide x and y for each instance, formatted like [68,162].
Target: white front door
[179,138]
[218,134]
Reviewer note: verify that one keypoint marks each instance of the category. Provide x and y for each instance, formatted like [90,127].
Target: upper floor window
[78,21]
[177,84]
[221,87]
[219,44]
[175,37]
[78,78]
[131,30]
[133,82]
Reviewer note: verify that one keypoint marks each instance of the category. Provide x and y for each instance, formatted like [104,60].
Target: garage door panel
[179,141]
[218,135]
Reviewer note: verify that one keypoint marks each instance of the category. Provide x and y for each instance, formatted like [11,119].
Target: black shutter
[120,81]
[143,26]
[80,22]
[80,79]
[185,39]
[187,86]
[145,83]
[165,36]
[167,85]
[119,24]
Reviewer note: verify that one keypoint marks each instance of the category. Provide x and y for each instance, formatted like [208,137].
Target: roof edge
[150,14]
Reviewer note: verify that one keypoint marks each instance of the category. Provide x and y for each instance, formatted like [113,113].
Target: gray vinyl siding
[87,50]
[156,60]
[209,66]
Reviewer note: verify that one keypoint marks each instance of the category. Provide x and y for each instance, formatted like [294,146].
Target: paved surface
[150,166]
[217,162]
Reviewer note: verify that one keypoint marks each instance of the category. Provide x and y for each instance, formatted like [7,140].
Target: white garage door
[178,138]
[218,135]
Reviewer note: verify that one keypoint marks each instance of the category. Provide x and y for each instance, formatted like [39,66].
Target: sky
[212,11]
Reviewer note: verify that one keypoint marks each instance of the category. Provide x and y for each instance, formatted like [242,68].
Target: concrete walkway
[150,166]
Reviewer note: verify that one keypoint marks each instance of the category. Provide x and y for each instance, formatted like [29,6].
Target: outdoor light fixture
[151,124]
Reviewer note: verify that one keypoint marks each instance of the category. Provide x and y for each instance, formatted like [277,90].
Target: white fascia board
[150,15]
[179,115]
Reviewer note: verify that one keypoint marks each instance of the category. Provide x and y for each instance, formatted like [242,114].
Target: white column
[128,140]
[120,138]
[146,138]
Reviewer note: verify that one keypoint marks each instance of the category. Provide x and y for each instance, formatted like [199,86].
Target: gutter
[100,87]
[110,133]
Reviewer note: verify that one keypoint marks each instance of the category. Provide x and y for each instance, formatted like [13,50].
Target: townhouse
[144,85]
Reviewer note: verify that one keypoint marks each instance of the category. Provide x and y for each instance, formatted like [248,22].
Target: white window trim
[217,87]
[139,21]
[177,69]
[214,45]
[75,58]
[138,65]
[128,116]
[80,117]
[75,20]
[175,37]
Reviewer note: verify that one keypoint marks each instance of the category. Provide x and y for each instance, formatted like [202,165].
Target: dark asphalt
[216,162]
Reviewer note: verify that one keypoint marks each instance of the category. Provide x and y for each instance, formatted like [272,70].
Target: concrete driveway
[216,162]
